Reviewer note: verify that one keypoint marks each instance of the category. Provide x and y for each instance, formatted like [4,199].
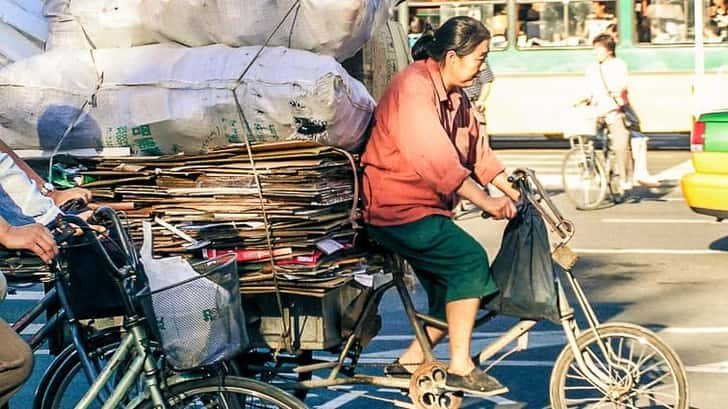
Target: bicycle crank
[427,388]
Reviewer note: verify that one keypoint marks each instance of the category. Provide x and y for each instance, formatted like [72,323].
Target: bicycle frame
[136,340]
[57,296]
[562,255]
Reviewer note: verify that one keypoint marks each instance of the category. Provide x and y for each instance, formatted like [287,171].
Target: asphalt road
[649,261]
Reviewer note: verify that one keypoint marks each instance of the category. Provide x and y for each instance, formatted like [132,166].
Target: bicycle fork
[595,375]
[135,340]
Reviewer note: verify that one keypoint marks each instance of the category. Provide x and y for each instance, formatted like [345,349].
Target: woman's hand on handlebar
[500,208]
[62,196]
[35,238]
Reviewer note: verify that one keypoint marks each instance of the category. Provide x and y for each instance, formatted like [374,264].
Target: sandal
[476,382]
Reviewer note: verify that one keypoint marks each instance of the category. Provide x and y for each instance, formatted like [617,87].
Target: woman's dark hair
[607,41]
[419,48]
[460,34]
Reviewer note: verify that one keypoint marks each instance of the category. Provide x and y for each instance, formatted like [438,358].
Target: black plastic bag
[523,269]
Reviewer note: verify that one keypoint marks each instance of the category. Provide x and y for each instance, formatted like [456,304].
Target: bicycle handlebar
[66,228]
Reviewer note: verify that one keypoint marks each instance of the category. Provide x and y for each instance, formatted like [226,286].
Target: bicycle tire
[53,390]
[583,178]
[639,337]
[278,370]
[250,394]
[616,192]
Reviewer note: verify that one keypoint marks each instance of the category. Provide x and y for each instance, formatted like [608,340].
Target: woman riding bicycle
[424,151]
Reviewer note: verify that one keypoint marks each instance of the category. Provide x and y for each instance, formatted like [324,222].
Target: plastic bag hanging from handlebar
[523,269]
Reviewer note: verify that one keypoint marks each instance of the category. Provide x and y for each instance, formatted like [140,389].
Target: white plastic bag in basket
[580,120]
[188,335]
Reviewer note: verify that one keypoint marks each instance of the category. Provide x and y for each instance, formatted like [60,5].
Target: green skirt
[450,264]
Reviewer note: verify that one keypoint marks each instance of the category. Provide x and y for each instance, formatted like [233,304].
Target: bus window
[564,23]
[673,21]
[491,13]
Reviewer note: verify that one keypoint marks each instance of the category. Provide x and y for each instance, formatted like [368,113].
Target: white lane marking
[694,330]
[676,172]
[647,251]
[26,295]
[535,340]
[662,221]
[31,329]
[42,352]
[381,360]
[475,335]
[715,367]
[342,400]
[672,199]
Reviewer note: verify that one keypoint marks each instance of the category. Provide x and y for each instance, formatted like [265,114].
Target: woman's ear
[450,54]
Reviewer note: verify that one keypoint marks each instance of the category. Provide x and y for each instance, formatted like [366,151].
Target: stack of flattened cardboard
[306,196]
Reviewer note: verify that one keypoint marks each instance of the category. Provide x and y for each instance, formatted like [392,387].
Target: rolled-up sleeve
[20,200]
[412,120]
[487,166]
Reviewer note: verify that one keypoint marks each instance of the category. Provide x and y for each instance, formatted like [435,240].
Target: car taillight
[697,138]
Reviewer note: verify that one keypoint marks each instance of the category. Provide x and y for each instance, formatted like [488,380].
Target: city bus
[540,51]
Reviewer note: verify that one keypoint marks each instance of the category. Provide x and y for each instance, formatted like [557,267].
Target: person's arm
[32,237]
[501,182]
[59,197]
[19,162]
[497,207]
[484,92]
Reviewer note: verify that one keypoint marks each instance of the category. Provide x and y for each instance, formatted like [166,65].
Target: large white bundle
[331,27]
[166,98]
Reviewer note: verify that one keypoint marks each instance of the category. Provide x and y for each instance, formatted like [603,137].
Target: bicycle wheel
[226,392]
[584,178]
[65,383]
[276,368]
[616,191]
[643,372]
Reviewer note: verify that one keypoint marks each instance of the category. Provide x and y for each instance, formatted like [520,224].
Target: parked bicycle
[615,365]
[125,367]
[589,173]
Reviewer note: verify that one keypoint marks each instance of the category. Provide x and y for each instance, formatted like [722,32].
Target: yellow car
[706,190]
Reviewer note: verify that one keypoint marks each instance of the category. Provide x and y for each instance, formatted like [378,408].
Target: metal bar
[40,307]
[125,383]
[150,366]
[42,334]
[385,381]
[516,331]
[409,309]
[431,321]
[126,344]
[315,367]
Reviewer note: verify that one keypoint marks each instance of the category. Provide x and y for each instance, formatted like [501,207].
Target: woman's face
[601,53]
[462,71]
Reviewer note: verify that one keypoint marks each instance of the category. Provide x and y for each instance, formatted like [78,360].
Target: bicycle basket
[579,121]
[92,290]
[199,320]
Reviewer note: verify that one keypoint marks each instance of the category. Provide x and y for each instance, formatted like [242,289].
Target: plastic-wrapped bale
[330,27]
[165,98]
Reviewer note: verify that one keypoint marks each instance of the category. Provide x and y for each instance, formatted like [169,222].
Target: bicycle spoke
[653,398]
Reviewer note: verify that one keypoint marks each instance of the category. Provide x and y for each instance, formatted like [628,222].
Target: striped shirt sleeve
[485,76]
[21,202]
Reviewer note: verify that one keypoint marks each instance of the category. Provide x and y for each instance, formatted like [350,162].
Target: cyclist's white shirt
[21,202]
[616,77]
